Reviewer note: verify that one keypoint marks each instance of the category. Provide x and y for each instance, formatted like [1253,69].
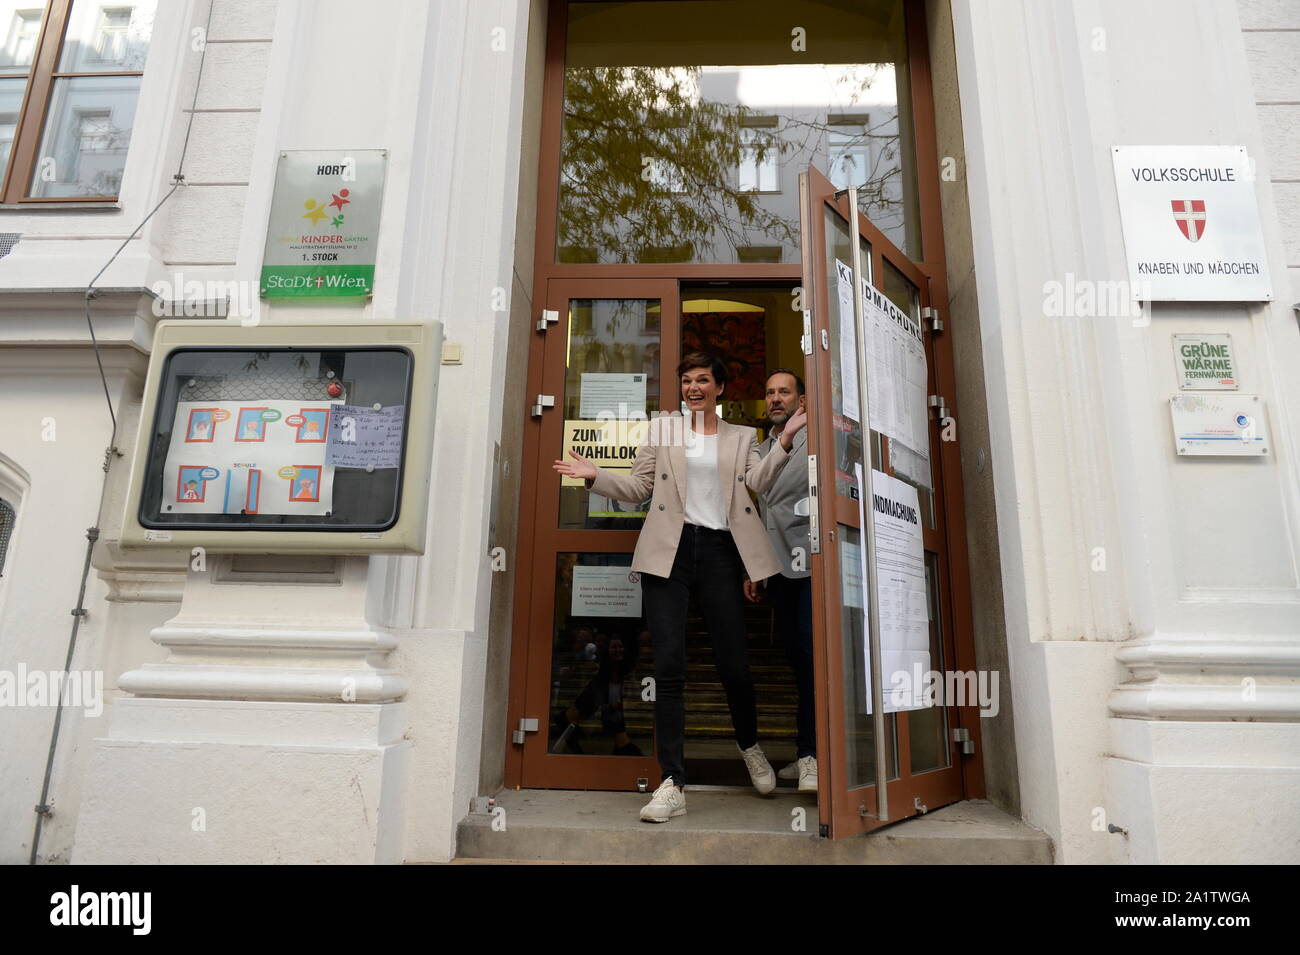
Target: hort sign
[324,223]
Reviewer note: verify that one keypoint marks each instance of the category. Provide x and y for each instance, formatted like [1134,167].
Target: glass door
[606,348]
[921,767]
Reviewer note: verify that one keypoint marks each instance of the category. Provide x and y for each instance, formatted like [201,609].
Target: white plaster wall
[1271,34]
[41,285]
[1079,427]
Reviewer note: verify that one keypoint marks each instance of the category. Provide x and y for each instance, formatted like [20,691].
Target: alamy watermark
[76,688]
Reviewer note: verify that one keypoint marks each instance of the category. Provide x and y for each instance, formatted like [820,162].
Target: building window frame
[30,132]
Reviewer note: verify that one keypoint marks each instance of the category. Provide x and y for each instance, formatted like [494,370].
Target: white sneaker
[807,774]
[789,772]
[668,801]
[760,770]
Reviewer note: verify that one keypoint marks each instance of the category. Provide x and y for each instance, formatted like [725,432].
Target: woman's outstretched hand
[583,469]
[792,426]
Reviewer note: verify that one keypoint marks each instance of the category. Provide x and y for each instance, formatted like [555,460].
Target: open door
[918,746]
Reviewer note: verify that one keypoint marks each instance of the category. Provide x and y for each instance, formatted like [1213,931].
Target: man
[784,509]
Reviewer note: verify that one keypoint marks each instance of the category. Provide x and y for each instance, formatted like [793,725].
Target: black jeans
[792,610]
[709,566]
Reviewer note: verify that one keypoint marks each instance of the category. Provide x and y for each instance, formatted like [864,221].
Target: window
[850,156]
[758,151]
[69,79]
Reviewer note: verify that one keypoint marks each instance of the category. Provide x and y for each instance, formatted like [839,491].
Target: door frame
[546,270]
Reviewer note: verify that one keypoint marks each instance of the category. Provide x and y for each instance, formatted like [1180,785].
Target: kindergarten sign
[324,225]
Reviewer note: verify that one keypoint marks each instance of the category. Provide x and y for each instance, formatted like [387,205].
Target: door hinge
[805,341]
[814,519]
[549,317]
[542,401]
[931,314]
[526,725]
[938,402]
[965,745]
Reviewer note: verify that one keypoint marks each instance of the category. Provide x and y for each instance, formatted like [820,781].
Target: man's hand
[792,425]
[752,588]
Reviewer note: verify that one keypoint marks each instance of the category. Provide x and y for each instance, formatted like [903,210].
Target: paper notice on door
[605,592]
[612,396]
[897,375]
[896,370]
[848,342]
[900,594]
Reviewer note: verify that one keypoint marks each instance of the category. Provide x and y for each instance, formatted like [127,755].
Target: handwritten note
[360,436]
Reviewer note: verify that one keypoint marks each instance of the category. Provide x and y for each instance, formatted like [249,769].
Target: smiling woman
[702,537]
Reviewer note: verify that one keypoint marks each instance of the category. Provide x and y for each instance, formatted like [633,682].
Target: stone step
[739,828]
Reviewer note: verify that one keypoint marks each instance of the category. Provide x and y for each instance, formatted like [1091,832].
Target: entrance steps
[734,827]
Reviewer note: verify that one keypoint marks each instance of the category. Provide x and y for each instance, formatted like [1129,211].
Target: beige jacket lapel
[675,440]
[728,437]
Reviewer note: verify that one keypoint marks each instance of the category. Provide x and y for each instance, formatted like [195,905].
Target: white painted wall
[1200,585]
[1271,34]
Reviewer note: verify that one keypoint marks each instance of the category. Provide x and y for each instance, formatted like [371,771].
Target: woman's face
[700,390]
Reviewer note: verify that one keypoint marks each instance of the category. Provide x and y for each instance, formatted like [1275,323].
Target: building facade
[1141,609]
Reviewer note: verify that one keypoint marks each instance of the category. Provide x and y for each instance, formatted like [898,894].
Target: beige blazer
[659,473]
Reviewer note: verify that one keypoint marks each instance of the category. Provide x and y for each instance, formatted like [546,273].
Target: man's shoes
[807,766]
[789,772]
[668,801]
[760,770]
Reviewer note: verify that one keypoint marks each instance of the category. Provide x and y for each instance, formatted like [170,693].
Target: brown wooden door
[587,654]
[924,767]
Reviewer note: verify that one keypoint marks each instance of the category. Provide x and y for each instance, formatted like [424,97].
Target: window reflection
[671,161]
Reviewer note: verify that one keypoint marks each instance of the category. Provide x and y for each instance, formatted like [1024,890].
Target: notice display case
[286,438]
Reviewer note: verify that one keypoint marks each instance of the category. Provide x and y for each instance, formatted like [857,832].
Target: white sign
[249,457]
[605,592]
[1205,362]
[612,396]
[1219,424]
[1191,224]
[361,436]
[896,375]
[903,613]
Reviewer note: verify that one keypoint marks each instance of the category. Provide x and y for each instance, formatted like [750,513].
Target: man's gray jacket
[784,508]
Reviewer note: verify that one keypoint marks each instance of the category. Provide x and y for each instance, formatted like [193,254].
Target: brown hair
[699,359]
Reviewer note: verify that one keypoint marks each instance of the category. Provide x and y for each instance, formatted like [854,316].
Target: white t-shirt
[704,505]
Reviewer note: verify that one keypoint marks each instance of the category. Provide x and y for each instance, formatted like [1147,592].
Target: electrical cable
[43,807]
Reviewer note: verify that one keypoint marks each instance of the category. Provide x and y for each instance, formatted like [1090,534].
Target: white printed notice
[249,457]
[848,345]
[896,375]
[900,593]
[612,396]
[362,436]
[605,592]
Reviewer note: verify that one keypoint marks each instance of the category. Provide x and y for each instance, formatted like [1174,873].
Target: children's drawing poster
[249,457]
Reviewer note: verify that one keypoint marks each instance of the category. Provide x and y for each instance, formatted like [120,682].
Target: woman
[703,536]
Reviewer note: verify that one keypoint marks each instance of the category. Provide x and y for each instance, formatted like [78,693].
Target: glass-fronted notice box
[286,438]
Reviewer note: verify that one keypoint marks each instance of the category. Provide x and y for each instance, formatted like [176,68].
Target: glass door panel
[918,761]
[602,366]
[611,375]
